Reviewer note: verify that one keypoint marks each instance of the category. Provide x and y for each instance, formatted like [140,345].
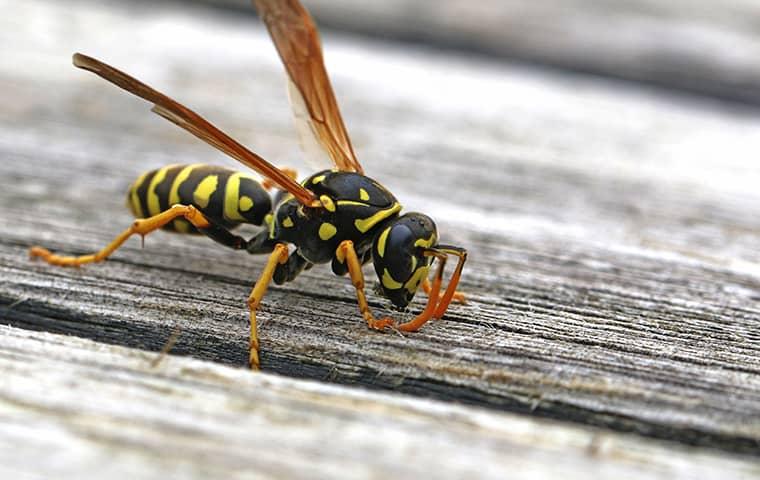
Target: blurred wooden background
[705,47]
[598,159]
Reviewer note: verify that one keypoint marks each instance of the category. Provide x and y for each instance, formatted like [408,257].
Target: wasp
[337,215]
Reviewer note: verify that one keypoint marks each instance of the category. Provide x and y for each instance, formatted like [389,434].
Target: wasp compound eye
[398,255]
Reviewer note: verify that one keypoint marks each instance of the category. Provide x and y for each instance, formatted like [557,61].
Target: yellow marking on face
[134,200]
[414,263]
[174,194]
[287,223]
[327,231]
[317,179]
[414,281]
[245,203]
[327,202]
[154,205]
[381,241]
[421,242]
[389,282]
[365,224]
[204,190]
[363,194]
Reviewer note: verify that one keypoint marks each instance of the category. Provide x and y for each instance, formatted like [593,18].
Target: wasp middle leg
[278,257]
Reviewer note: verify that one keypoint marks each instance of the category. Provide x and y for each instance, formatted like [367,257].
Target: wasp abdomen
[222,194]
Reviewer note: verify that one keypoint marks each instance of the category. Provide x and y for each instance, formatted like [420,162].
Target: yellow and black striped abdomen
[222,194]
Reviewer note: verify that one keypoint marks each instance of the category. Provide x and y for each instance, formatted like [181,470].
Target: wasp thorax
[399,256]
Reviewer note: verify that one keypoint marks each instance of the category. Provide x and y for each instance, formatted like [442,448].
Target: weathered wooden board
[71,408]
[701,46]
[614,274]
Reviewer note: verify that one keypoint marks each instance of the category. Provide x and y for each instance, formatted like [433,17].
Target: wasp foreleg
[451,292]
[347,254]
[459,297]
[430,309]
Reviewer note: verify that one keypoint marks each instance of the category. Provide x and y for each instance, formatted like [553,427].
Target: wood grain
[614,275]
[698,46]
[104,412]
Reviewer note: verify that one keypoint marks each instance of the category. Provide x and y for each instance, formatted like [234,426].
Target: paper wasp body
[337,215]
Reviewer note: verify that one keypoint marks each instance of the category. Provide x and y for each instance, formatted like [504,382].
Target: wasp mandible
[337,215]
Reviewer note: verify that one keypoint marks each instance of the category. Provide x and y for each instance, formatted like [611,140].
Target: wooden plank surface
[700,46]
[614,273]
[104,412]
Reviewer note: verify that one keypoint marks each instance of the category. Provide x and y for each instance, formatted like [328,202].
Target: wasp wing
[197,125]
[297,41]
[314,153]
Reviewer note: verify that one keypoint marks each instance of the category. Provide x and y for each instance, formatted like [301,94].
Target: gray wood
[700,46]
[613,231]
[72,408]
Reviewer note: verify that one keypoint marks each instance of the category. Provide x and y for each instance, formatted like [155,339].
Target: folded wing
[197,125]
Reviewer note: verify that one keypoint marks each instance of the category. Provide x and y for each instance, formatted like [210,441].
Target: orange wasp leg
[451,291]
[141,227]
[430,309]
[458,297]
[268,184]
[346,254]
[278,257]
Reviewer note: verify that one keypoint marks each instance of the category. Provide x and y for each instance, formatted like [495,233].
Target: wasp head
[399,255]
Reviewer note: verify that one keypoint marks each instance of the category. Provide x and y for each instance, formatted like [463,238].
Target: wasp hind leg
[141,227]
[278,260]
